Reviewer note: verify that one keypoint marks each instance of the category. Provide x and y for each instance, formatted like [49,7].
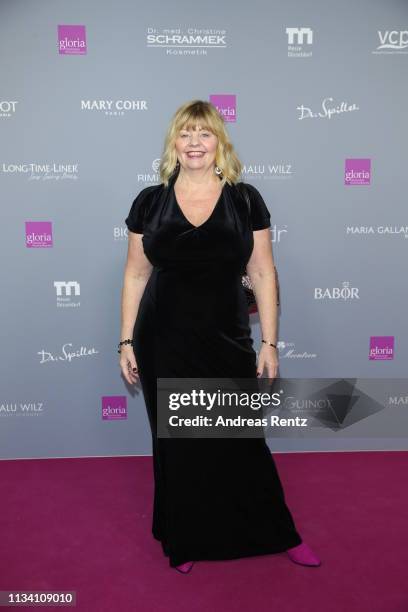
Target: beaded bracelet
[270,343]
[127,341]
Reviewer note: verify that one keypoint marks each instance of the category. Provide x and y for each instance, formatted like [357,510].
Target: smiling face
[196,148]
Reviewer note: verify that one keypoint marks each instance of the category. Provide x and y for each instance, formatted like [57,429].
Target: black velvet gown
[214,498]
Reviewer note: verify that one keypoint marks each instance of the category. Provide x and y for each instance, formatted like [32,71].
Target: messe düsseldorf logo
[357,172]
[114,407]
[66,292]
[38,234]
[381,348]
[71,40]
[297,38]
[67,288]
[226,105]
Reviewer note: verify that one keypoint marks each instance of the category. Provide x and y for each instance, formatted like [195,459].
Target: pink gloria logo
[357,172]
[38,234]
[71,40]
[114,407]
[226,105]
[381,348]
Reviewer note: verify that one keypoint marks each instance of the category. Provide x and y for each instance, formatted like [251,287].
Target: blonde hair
[204,114]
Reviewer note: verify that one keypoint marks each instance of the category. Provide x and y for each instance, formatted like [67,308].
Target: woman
[185,315]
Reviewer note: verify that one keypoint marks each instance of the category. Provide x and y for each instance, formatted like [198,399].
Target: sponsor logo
[357,172]
[381,348]
[71,40]
[114,408]
[7,108]
[345,292]
[20,409]
[226,105]
[114,108]
[41,172]
[328,110]
[299,42]
[287,350]
[186,41]
[392,42]
[267,171]
[66,354]
[379,230]
[38,234]
[65,291]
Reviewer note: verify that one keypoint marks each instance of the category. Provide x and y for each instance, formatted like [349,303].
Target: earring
[217,170]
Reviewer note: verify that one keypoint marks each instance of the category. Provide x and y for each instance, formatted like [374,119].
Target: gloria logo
[395,41]
[114,407]
[226,105]
[357,172]
[71,40]
[381,348]
[38,234]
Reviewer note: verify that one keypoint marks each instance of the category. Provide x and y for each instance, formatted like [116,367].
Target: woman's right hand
[128,365]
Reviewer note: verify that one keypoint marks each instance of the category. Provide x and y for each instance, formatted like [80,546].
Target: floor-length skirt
[214,498]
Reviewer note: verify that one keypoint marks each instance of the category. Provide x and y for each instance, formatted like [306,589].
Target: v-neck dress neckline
[197,227]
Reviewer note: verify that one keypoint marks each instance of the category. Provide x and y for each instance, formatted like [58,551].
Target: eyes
[185,134]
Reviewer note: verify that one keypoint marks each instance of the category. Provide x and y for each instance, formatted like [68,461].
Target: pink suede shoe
[185,567]
[304,555]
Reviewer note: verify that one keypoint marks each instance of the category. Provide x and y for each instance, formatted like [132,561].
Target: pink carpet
[84,525]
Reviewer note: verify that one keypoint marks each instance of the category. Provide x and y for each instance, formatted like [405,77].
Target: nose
[194,139]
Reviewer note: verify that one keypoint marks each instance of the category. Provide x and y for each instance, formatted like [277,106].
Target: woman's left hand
[268,361]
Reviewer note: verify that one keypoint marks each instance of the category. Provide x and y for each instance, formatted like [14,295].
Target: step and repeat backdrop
[314,97]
